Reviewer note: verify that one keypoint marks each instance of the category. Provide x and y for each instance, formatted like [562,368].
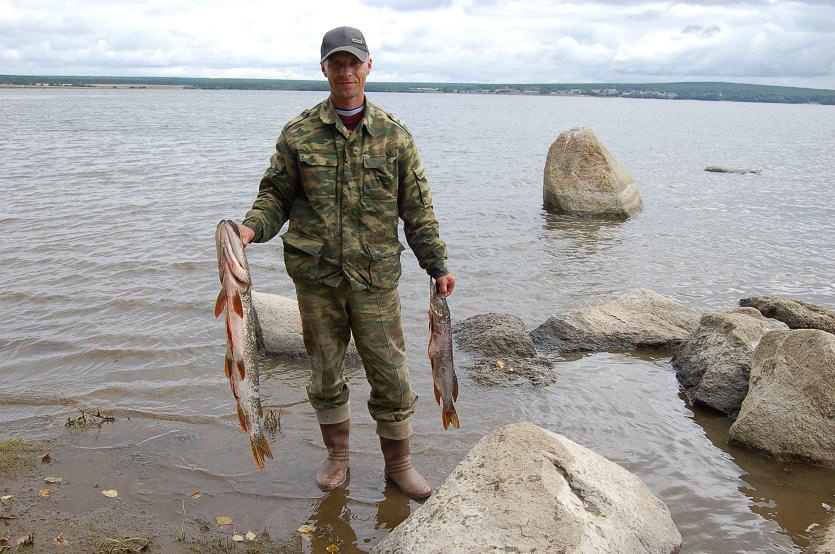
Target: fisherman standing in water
[343,172]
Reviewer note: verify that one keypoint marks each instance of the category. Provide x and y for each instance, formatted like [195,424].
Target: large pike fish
[243,342]
[440,356]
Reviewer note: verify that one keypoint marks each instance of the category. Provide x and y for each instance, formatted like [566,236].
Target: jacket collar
[370,119]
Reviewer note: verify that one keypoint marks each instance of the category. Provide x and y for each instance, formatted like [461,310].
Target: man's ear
[369,64]
[324,71]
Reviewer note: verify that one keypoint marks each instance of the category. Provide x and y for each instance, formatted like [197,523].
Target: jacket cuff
[255,225]
[436,271]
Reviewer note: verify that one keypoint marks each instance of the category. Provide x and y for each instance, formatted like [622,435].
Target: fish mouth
[230,252]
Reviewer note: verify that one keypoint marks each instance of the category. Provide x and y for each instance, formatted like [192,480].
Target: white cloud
[437,40]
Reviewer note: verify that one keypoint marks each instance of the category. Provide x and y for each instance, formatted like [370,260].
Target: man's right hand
[247,234]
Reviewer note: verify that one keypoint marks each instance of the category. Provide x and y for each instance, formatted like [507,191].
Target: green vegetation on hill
[736,92]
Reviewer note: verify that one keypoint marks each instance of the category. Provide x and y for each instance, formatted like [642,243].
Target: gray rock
[281,326]
[504,353]
[525,489]
[714,362]
[790,407]
[797,314]
[494,335]
[722,169]
[583,178]
[639,319]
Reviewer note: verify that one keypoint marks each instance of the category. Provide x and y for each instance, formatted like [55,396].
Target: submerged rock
[503,351]
[639,319]
[714,362]
[583,178]
[722,169]
[525,489]
[797,314]
[281,326]
[790,407]
[825,543]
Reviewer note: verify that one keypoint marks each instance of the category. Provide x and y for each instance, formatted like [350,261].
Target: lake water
[109,200]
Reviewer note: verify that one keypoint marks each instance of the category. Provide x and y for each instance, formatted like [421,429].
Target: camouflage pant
[330,315]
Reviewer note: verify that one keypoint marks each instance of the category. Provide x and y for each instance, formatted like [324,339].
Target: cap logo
[356,41]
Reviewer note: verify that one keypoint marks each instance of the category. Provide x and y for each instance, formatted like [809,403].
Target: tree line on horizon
[736,92]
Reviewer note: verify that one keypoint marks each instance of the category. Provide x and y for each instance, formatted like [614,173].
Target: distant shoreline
[710,91]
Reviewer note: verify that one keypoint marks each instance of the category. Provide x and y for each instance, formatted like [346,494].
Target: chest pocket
[379,181]
[318,172]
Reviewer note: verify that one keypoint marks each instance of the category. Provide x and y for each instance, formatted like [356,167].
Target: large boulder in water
[583,178]
[281,326]
[714,362]
[797,314]
[525,489]
[494,335]
[639,319]
[790,407]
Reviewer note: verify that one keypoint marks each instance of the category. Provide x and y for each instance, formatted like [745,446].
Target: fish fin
[437,394]
[260,450]
[237,305]
[227,366]
[450,417]
[241,369]
[242,419]
[455,387]
[220,303]
[229,343]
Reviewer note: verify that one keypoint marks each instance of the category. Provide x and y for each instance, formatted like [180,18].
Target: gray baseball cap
[344,39]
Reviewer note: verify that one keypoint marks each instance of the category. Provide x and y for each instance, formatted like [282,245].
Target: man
[343,173]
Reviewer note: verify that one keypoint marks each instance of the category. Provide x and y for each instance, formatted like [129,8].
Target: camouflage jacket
[343,193]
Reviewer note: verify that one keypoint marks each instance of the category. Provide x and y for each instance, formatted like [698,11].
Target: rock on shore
[281,326]
[826,543]
[790,407]
[583,178]
[714,362]
[797,314]
[525,489]
[639,319]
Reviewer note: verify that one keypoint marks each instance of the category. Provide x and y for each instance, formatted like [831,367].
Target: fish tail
[450,417]
[260,449]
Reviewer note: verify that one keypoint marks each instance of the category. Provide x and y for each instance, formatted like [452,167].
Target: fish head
[230,252]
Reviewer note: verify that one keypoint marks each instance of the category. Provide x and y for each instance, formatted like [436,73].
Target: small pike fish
[242,335]
[440,356]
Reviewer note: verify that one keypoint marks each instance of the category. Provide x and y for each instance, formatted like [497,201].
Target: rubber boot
[399,469]
[334,469]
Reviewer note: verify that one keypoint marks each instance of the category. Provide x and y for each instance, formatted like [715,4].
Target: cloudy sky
[492,41]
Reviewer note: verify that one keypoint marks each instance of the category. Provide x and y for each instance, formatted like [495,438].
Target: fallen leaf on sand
[250,536]
[307,529]
[47,459]
[52,480]
[332,548]
[29,539]
[6,498]
[196,494]
[60,540]
[499,365]
[110,493]
[223,520]
[237,538]
[43,493]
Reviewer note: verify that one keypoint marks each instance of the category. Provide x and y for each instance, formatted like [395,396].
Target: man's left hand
[446,284]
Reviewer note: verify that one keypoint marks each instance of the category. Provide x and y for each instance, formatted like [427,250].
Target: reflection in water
[393,509]
[791,494]
[332,519]
[577,238]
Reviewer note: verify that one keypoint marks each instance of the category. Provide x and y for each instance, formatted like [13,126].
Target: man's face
[346,77]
